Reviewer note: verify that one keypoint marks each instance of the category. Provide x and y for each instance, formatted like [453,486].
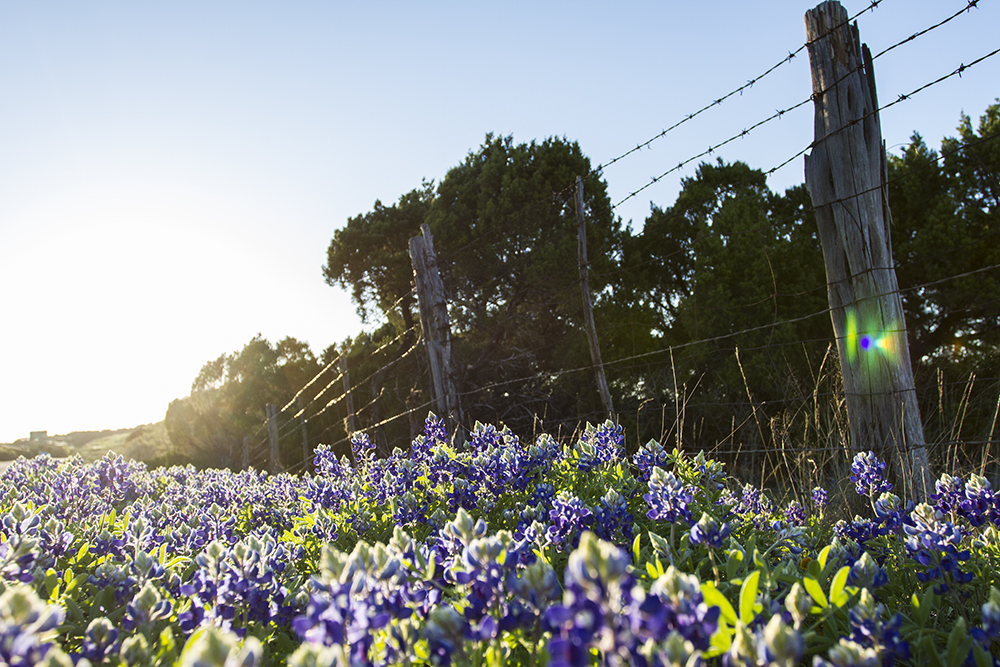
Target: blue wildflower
[867,472]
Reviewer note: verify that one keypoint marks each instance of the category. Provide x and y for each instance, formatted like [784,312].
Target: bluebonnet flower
[446,631]
[754,505]
[775,644]
[435,432]
[597,445]
[848,653]
[949,491]
[795,513]
[651,455]
[363,449]
[569,517]
[612,520]
[675,602]
[708,532]
[867,474]
[819,498]
[26,625]
[19,552]
[990,623]
[598,603]
[868,630]
[978,501]
[325,463]
[100,641]
[146,608]
[866,573]
[668,498]
[460,531]
[933,543]
[212,646]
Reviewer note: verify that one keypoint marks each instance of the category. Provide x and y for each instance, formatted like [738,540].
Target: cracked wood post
[437,330]
[588,307]
[846,174]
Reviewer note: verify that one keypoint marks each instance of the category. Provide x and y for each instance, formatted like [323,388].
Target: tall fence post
[588,307]
[272,435]
[351,423]
[245,459]
[305,434]
[846,177]
[437,329]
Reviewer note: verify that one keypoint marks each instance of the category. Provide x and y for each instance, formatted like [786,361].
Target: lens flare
[865,340]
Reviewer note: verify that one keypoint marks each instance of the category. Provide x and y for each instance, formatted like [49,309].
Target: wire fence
[694,393]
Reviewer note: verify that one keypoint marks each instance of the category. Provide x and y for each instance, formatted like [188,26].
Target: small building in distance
[38,436]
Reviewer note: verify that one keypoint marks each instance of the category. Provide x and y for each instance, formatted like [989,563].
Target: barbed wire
[738,91]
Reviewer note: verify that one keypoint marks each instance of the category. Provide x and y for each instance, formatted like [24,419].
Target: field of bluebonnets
[504,553]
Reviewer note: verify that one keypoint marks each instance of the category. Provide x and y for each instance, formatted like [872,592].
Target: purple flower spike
[867,474]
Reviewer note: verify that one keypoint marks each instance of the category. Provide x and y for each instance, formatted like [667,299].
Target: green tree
[505,231]
[229,395]
[370,256]
[729,265]
[505,228]
[945,221]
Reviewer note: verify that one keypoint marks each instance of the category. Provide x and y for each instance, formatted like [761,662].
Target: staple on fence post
[588,307]
[846,178]
[272,435]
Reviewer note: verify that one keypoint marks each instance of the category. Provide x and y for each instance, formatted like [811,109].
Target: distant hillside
[149,443]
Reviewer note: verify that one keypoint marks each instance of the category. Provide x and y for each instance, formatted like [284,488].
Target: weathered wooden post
[245,462]
[437,329]
[272,435]
[588,307]
[846,177]
[351,423]
[305,433]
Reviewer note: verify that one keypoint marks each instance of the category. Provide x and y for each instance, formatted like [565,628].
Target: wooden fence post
[437,329]
[846,178]
[305,434]
[245,461]
[588,307]
[272,435]
[352,419]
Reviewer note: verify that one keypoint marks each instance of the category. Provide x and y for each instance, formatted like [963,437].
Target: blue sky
[172,173]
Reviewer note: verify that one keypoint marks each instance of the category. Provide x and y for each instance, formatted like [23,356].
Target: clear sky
[171,174]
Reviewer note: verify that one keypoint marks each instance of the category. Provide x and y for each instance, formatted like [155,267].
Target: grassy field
[142,443]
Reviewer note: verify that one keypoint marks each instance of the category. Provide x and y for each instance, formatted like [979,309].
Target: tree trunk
[845,175]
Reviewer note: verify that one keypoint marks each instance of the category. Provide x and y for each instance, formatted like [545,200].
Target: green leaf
[982,658]
[733,562]
[721,640]
[635,547]
[74,610]
[837,594]
[930,652]
[651,570]
[816,591]
[748,596]
[823,555]
[959,643]
[714,597]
